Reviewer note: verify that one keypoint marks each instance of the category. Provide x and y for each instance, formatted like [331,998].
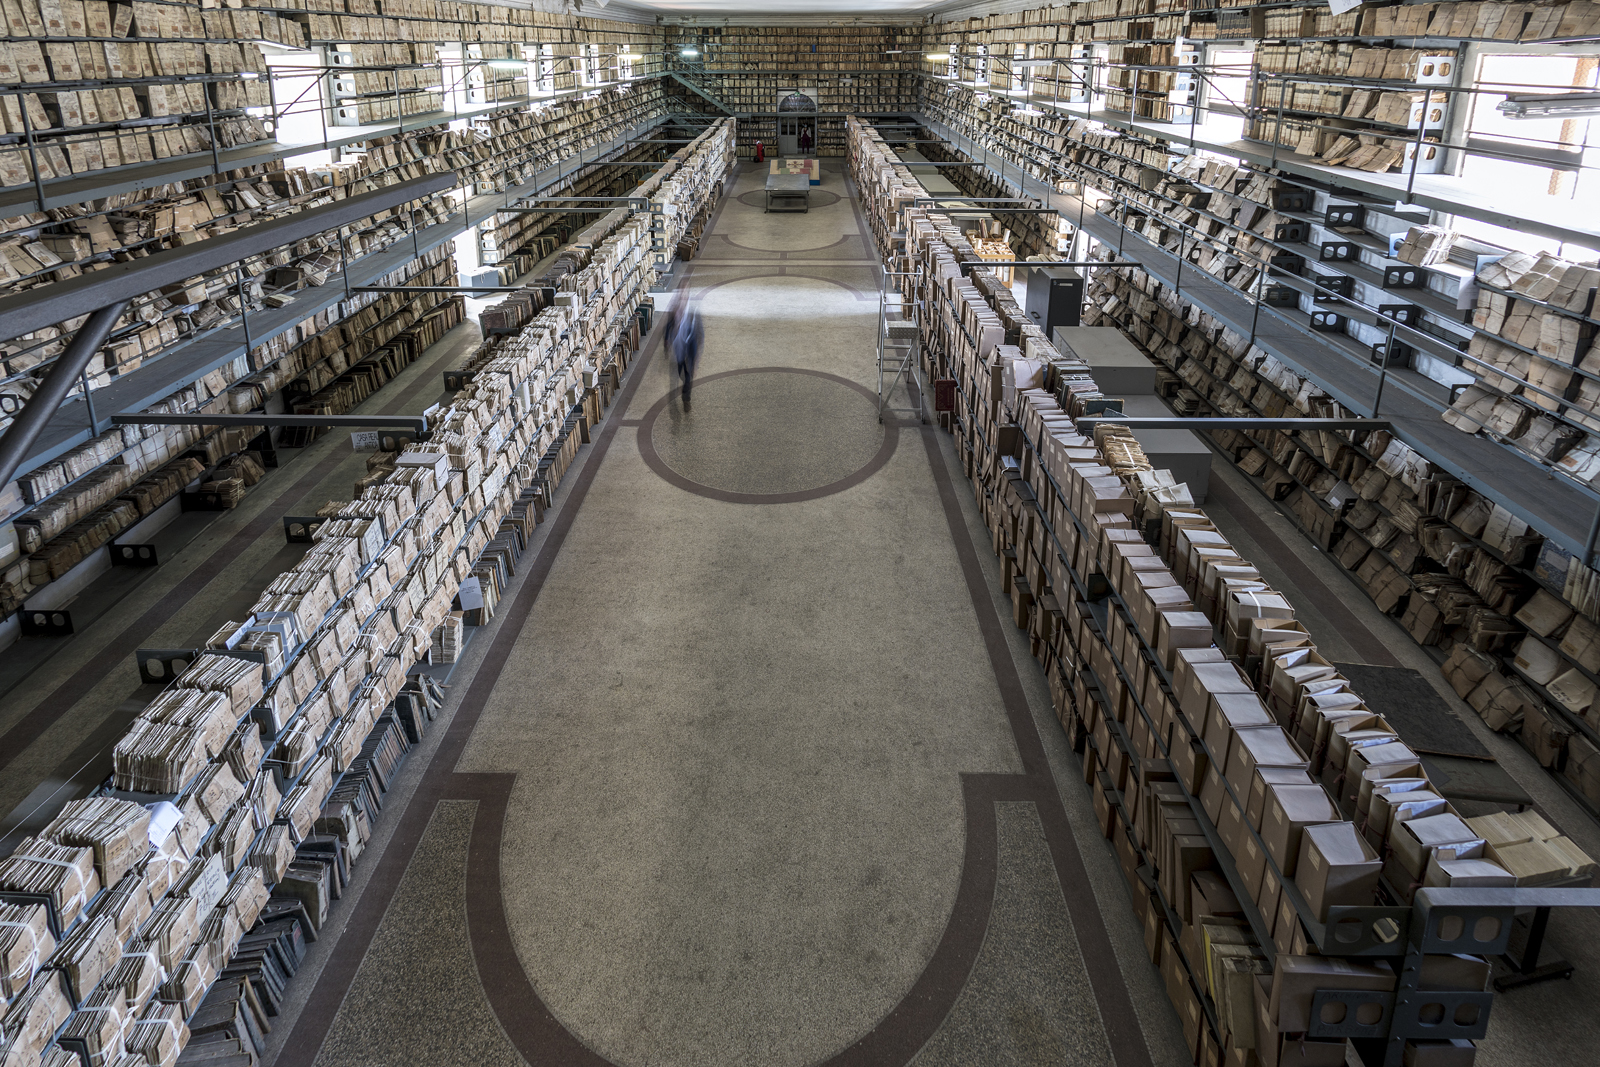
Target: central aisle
[757,781]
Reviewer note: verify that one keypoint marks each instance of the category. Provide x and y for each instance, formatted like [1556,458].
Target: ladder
[899,340]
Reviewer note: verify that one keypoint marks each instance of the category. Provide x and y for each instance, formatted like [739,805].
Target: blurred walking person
[686,342]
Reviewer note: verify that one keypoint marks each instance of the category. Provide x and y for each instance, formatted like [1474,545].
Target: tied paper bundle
[87,952]
[134,979]
[126,904]
[96,1027]
[32,1019]
[117,830]
[159,1035]
[63,873]
[171,930]
[171,740]
[189,981]
[25,943]
[239,679]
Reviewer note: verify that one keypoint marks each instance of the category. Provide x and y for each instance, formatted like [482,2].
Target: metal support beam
[64,373]
[415,423]
[1231,424]
[1049,263]
[48,305]
[439,288]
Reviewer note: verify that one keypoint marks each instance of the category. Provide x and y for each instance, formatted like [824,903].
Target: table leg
[1528,971]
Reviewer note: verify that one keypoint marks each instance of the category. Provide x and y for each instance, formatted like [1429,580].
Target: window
[624,63]
[1227,79]
[591,64]
[297,90]
[547,68]
[1019,71]
[1546,156]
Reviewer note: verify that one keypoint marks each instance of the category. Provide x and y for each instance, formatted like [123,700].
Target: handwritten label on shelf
[210,886]
[364,441]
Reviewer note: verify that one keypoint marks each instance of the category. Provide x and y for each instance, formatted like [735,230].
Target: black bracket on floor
[200,500]
[129,555]
[298,529]
[158,666]
[45,622]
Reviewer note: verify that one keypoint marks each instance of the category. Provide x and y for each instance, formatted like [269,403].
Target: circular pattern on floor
[767,435]
[758,198]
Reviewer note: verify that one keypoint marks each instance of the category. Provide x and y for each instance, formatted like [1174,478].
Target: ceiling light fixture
[689,53]
[939,57]
[1565,105]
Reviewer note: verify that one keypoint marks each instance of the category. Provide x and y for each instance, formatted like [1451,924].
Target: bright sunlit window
[1555,151]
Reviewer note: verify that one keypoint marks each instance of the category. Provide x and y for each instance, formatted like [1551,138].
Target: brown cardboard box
[1189,763]
[1466,873]
[1262,632]
[1209,895]
[1154,593]
[1265,776]
[1213,794]
[1286,928]
[1205,681]
[1267,1036]
[1261,746]
[1296,979]
[1405,776]
[1251,860]
[1414,841]
[1268,896]
[1229,712]
[1389,809]
[1336,866]
[1288,810]
[1180,629]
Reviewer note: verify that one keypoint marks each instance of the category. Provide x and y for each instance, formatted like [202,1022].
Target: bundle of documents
[25,943]
[117,830]
[239,679]
[87,952]
[158,1035]
[63,874]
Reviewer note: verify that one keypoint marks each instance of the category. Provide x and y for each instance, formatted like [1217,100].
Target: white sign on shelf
[210,886]
[365,440]
[1339,7]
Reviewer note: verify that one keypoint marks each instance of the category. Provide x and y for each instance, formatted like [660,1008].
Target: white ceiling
[865,9]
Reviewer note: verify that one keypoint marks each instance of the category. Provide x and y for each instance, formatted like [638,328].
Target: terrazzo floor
[754,769]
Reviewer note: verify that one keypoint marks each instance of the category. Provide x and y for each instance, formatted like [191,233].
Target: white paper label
[210,886]
[364,441]
[1339,7]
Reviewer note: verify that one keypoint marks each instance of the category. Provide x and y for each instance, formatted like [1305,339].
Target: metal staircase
[699,90]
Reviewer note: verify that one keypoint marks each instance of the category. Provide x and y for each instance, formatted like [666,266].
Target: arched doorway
[796,112]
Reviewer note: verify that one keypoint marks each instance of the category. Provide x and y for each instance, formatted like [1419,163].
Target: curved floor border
[784,251]
[757,198]
[541,1038]
[652,458]
[786,272]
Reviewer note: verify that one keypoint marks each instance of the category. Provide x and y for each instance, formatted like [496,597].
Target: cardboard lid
[1337,843]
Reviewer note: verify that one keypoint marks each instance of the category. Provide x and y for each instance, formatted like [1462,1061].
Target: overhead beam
[416,423]
[1175,423]
[63,374]
[48,305]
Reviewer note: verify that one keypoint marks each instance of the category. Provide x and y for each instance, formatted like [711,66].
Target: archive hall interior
[1124,592]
